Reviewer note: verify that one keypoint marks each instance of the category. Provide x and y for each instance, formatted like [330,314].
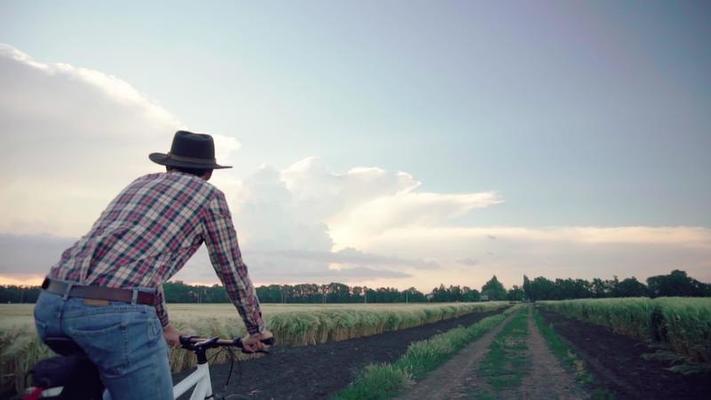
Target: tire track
[548,379]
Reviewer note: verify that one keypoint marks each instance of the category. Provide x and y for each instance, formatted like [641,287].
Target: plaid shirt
[150,230]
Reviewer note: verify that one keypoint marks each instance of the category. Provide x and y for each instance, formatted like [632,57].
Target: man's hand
[172,337]
[253,343]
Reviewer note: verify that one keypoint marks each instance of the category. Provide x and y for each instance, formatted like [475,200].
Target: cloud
[72,138]
[352,257]
[468,261]
[30,254]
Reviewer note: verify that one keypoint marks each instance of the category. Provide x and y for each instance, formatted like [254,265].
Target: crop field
[599,349]
[292,324]
[682,324]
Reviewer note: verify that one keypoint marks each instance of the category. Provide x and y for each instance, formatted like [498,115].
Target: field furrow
[625,367]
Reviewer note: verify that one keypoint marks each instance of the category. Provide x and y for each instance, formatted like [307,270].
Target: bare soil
[548,379]
[318,372]
[617,364]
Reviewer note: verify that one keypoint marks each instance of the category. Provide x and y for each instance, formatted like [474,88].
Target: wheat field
[292,324]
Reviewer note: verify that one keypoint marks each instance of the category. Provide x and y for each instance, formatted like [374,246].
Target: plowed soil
[617,364]
[318,372]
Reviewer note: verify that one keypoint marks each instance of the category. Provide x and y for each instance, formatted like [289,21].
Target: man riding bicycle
[105,293]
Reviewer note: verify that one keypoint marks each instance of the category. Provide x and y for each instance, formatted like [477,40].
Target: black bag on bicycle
[67,377]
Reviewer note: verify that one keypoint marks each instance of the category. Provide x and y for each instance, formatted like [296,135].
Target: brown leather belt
[69,289]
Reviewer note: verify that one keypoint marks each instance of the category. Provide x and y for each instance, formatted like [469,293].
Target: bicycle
[72,376]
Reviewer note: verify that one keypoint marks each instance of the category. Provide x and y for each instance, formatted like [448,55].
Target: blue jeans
[125,341]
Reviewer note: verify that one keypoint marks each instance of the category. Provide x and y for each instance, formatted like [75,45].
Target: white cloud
[402,210]
[72,137]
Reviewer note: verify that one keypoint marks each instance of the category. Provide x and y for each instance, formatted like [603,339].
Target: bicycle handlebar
[196,342]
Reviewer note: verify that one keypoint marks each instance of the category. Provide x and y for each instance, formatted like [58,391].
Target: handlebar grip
[269,342]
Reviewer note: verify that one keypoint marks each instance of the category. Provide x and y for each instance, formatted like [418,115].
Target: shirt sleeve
[221,241]
[161,310]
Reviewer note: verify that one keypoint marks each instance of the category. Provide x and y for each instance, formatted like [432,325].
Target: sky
[379,143]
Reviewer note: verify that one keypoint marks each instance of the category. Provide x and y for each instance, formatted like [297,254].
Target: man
[105,292]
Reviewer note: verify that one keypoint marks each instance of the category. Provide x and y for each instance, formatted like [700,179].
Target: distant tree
[413,295]
[601,288]
[527,288]
[469,294]
[270,294]
[338,293]
[571,289]
[630,287]
[494,289]
[455,293]
[515,294]
[18,294]
[541,289]
[440,294]
[677,283]
[178,292]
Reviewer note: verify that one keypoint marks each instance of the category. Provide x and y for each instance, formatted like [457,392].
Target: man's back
[144,236]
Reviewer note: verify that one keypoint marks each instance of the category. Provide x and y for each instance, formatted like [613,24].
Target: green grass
[507,360]
[385,381]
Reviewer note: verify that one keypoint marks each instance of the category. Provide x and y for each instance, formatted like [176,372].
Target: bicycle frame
[200,378]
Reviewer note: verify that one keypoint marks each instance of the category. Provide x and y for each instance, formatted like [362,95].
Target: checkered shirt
[150,230]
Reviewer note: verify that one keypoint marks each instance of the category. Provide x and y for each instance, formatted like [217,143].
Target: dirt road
[512,361]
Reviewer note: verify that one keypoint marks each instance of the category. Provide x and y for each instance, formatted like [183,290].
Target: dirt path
[547,379]
[448,381]
[461,377]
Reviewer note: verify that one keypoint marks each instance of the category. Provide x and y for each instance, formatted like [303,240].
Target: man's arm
[169,331]
[221,241]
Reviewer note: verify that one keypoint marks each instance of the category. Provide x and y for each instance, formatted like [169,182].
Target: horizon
[374,144]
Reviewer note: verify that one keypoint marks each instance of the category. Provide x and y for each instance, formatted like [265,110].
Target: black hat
[189,150]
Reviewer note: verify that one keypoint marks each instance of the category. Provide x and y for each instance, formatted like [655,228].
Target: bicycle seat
[63,345]
[72,372]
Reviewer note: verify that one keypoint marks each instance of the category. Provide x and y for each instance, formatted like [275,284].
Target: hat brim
[164,159]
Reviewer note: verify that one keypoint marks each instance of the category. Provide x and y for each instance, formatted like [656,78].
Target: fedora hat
[189,150]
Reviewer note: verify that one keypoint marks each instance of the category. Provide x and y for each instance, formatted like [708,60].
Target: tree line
[676,283]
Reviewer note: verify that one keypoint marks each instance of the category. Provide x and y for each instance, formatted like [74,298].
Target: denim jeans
[125,341]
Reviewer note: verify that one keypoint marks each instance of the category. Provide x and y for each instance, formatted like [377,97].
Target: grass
[385,381]
[292,324]
[507,360]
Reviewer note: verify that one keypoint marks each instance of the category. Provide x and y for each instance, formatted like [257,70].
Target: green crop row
[333,325]
[682,323]
[291,324]
[384,381]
